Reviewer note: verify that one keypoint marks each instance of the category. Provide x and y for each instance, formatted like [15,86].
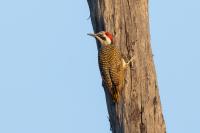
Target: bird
[111,64]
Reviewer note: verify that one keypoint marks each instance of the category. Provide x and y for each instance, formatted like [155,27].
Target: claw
[125,64]
[131,60]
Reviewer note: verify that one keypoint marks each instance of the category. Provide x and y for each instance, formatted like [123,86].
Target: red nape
[109,35]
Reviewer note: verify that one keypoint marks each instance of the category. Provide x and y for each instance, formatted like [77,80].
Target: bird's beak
[92,34]
[97,36]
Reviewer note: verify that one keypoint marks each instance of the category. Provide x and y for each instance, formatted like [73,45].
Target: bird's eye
[102,37]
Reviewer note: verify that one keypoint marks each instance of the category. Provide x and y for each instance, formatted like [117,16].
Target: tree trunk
[139,110]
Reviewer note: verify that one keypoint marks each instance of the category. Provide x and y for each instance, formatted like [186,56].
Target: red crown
[109,35]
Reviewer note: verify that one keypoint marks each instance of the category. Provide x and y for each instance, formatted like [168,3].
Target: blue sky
[49,77]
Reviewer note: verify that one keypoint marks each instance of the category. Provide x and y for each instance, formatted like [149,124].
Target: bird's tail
[115,96]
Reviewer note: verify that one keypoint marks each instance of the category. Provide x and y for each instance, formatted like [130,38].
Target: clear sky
[49,77]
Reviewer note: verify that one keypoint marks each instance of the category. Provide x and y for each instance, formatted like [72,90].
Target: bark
[139,110]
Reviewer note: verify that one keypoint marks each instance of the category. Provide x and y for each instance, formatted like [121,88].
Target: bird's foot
[125,64]
[131,60]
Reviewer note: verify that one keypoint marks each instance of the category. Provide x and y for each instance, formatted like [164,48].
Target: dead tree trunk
[139,110]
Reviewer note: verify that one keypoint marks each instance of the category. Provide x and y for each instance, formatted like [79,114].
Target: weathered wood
[139,110]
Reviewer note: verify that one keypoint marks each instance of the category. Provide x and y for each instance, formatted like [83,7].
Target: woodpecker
[111,64]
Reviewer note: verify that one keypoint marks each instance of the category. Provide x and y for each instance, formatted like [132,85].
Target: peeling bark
[139,110]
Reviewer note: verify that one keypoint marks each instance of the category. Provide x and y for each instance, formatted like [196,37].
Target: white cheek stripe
[108,41]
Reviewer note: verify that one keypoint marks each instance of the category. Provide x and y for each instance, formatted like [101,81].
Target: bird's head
[105,38]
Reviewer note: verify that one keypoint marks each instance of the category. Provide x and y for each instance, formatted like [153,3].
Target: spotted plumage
[111,65]
[112,71]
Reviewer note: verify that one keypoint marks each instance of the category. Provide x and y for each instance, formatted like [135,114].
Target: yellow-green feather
[111,68]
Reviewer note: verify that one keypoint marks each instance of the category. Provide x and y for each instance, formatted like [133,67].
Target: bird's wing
[104,69]
[116,74]
[116,69]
